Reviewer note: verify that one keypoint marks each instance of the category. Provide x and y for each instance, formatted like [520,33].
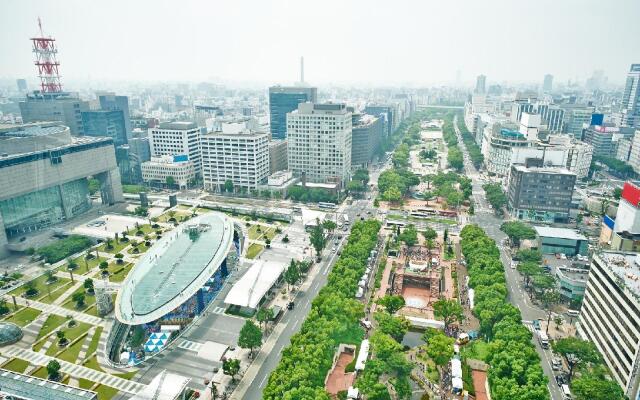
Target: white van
[573,313]
[543,339]
[566,393]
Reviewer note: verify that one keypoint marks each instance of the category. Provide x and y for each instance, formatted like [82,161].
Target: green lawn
[93,364]
[40,373]
[93,346]
[24,316]
[82,265]
[70,354]
[141,249]
[71,334]
[121,273]
[253,250]
[89,300]
[253,232]
[146,229]
[104,392]
[16,365]
[117,247]
[52,322]
[178,216]
[49,298]
[42,287]
[477,349]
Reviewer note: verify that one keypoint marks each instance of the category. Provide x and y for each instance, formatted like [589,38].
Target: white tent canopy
[456,368]
[362,355]
[255,283]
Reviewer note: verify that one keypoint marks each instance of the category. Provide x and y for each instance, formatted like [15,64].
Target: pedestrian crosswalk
[218,310]
[529,326]
[189,345]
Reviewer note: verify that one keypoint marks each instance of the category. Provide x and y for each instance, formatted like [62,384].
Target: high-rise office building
[235,154]
[112,102]
[277,155]
[481,84]
[22,85]
[319,142]
[55,106]
[367,132]
[176,138]
[105,123]
[547,85]
[385,113]
[284,99]
[601,138]
[576,118]
[631,98]
[537,193]
[44,177]
[203,112]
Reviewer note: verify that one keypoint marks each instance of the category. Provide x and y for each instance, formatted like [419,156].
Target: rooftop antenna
[46,60]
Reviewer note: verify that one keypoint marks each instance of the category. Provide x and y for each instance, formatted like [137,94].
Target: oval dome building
[171,284]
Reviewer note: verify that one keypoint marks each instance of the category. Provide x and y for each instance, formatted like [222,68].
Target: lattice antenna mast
[46,60]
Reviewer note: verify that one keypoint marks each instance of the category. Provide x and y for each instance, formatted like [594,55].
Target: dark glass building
[111,102]
[105,123]
[284,99]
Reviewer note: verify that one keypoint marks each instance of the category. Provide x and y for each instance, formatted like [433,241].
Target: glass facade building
[39,209]
[283,100]
[106,123]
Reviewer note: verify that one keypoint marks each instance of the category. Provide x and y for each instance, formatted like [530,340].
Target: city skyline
[345,44]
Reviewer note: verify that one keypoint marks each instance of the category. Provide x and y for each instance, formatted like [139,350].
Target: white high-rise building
[319,142]
[631,98]
[237,154]
[176,139]
[610,315]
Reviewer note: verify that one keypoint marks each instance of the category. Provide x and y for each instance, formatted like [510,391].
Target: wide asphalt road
[486,219]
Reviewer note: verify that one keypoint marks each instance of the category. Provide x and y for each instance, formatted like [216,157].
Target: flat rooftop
[255,283]
[625,267]
[560,233]
[29,387]
[175,268]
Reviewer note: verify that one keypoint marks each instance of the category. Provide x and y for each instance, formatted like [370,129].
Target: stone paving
[54,309]
[76,371]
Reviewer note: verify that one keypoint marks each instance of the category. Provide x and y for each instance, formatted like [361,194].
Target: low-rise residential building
[610,315]
[538,193]
[179,169]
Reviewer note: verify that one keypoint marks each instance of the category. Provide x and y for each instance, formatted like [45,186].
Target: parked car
[536,324]
[556,364]
[290,305]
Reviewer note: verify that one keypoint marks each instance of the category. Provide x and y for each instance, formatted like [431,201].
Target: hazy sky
[367,42]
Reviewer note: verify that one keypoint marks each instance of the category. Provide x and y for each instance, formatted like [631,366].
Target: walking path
[31,331]
[53,309]
[77,371]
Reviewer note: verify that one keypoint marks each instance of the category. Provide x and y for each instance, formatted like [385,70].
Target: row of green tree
[495,196]
[472,147]
[616,167]
[515,371]
[311,195]
[452,187]
[333,319]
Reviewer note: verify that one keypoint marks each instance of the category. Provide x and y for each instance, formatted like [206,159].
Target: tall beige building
[319,142]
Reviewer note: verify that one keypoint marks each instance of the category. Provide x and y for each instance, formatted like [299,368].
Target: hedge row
[515,372]
[333,319]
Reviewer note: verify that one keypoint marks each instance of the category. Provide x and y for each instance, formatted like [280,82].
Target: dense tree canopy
[495,196]
[518,231]
[333,319]
[515,371]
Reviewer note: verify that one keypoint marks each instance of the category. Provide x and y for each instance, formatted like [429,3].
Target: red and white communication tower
[45,50]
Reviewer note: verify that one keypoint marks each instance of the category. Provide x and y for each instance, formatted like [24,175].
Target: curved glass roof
[9,333]
[174,268]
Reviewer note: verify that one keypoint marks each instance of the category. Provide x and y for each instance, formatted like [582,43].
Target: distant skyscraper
[283,100]
[547,85]
[631,98]
[22,85]
[112,102]
[481,84]
[105,123]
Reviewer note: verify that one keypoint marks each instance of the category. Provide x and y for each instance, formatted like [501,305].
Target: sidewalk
[77,371]
[53,309]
